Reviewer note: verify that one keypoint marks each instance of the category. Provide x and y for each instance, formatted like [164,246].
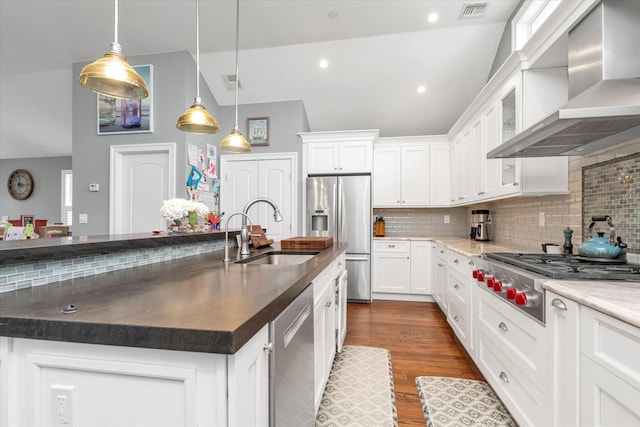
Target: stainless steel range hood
[604,89]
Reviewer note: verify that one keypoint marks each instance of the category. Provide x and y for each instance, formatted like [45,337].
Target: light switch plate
[83,218]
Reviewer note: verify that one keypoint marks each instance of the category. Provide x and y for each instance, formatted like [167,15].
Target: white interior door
[142,177]
[245,178]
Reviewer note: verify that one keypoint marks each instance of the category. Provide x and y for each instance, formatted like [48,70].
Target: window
[530,18]
[66,213]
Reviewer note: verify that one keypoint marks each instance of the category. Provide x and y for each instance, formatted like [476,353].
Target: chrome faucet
[277,217]
[244,236]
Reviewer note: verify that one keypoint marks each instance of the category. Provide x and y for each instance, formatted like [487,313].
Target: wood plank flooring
[421,343]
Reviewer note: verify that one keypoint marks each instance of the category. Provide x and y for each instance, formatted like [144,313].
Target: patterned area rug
[453,402]
[359,390]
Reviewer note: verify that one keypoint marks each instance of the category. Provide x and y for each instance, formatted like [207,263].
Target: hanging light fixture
[235,142]
[197,119]
[112,75]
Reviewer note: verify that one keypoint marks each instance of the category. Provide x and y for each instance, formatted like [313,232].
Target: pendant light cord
[197,51]
[237,71]
[115,30]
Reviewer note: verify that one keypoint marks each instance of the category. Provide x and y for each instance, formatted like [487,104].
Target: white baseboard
[402,297]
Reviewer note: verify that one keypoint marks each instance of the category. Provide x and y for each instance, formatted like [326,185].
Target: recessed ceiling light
[323,63]
[422,89]
[433,17]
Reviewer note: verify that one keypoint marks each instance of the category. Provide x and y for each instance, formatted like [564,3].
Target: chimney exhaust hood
[604,89]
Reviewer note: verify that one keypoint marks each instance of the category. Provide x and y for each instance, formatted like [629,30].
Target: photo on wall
[119,115]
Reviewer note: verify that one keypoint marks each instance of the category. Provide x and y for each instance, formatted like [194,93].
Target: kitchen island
[189,332]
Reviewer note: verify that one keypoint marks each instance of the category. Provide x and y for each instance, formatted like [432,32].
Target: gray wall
[504,47]
[173,92]
[45,201]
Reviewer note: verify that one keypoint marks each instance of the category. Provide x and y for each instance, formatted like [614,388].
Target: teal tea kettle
[603,248]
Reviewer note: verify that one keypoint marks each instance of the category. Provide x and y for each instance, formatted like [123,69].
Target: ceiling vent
[475,10]
[230,81]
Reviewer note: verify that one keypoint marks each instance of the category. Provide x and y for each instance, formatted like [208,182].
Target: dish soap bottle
[567,248]
[379,227]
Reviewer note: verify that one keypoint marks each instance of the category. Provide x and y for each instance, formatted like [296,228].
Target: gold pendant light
[112,75]
[197,119]
[235,142]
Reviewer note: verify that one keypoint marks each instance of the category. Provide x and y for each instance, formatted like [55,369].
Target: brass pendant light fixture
[112,75]
[197,119]
[235,142]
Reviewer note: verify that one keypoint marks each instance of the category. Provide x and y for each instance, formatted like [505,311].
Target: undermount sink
[279,258]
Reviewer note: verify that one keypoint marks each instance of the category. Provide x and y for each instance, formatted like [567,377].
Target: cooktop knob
[497,286]
[511,293]
[480,276]
[490,282]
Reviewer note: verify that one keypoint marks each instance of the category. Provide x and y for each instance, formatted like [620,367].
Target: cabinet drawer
[441,253]
[458,290]
[458,319]
[611,343]
[322,282]
[392,246]
[460,264]
[520,338]
[522,398]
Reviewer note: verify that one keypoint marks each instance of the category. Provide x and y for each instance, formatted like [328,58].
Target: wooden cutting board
[306,243]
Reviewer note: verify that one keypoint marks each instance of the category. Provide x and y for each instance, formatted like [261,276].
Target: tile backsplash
[406,222]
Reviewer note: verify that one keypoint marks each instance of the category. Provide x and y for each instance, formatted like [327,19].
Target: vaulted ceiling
[378,53]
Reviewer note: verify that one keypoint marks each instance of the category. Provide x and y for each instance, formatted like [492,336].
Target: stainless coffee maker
[480,224]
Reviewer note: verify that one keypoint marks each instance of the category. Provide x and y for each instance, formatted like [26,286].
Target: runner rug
[453,402]
[359,391]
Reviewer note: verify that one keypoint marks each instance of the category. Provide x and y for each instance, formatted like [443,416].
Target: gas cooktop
[568,267]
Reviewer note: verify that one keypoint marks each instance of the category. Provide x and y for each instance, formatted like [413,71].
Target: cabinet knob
[504,377]
[456,261]
[456,286]
[268,347]
[391,246]
[456,318]
[327,304]
[515,184]
[503,327]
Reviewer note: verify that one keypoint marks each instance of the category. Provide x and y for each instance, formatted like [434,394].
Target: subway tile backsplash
[424,222]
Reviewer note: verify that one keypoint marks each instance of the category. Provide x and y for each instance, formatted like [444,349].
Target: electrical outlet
[83,218]
[541,219]
[447,219]
[62,405]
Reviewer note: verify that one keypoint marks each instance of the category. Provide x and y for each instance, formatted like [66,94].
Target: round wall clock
[20,184]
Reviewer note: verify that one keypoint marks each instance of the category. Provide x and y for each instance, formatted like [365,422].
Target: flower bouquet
[184,214]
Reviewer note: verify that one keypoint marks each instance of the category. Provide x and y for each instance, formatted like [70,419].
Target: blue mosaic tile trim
[26,275]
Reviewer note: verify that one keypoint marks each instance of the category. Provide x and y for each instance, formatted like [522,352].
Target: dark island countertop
[194,304]
[21,251]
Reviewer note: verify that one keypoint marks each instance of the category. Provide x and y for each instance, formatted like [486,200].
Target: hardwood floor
[421,344]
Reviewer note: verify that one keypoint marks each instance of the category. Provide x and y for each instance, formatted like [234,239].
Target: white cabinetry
[610,371]
[111,385]
[510,352]
[563,360]
[338,152]
[420,267]
[507,108]
[391,266]
[458,297]
[405,173]
[324,324]
[439,285]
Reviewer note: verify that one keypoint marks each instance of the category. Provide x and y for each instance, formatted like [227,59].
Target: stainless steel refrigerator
[340,207]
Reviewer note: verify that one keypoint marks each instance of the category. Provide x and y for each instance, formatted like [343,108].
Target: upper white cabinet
[338,152]
[523,98]
[410,172]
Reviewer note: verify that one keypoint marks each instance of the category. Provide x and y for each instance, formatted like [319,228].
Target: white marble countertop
[618,299]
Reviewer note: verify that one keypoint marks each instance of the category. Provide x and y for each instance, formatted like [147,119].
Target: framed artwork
[258,131]
[116,115]
[28,219]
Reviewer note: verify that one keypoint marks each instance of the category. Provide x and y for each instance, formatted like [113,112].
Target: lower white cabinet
[391,266]
[420,282]
[563,360]
[48,383]
[610,371]
[439,270]
[510,352]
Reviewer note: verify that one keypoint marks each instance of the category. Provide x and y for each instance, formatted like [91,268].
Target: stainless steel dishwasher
[291,366]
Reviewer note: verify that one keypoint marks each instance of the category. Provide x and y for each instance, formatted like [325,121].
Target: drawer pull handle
[557,303]
[440,265]
[503,327]
[504,377]
[441,251]
[456,286]
[391,246]
[470,262]
[456,261]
